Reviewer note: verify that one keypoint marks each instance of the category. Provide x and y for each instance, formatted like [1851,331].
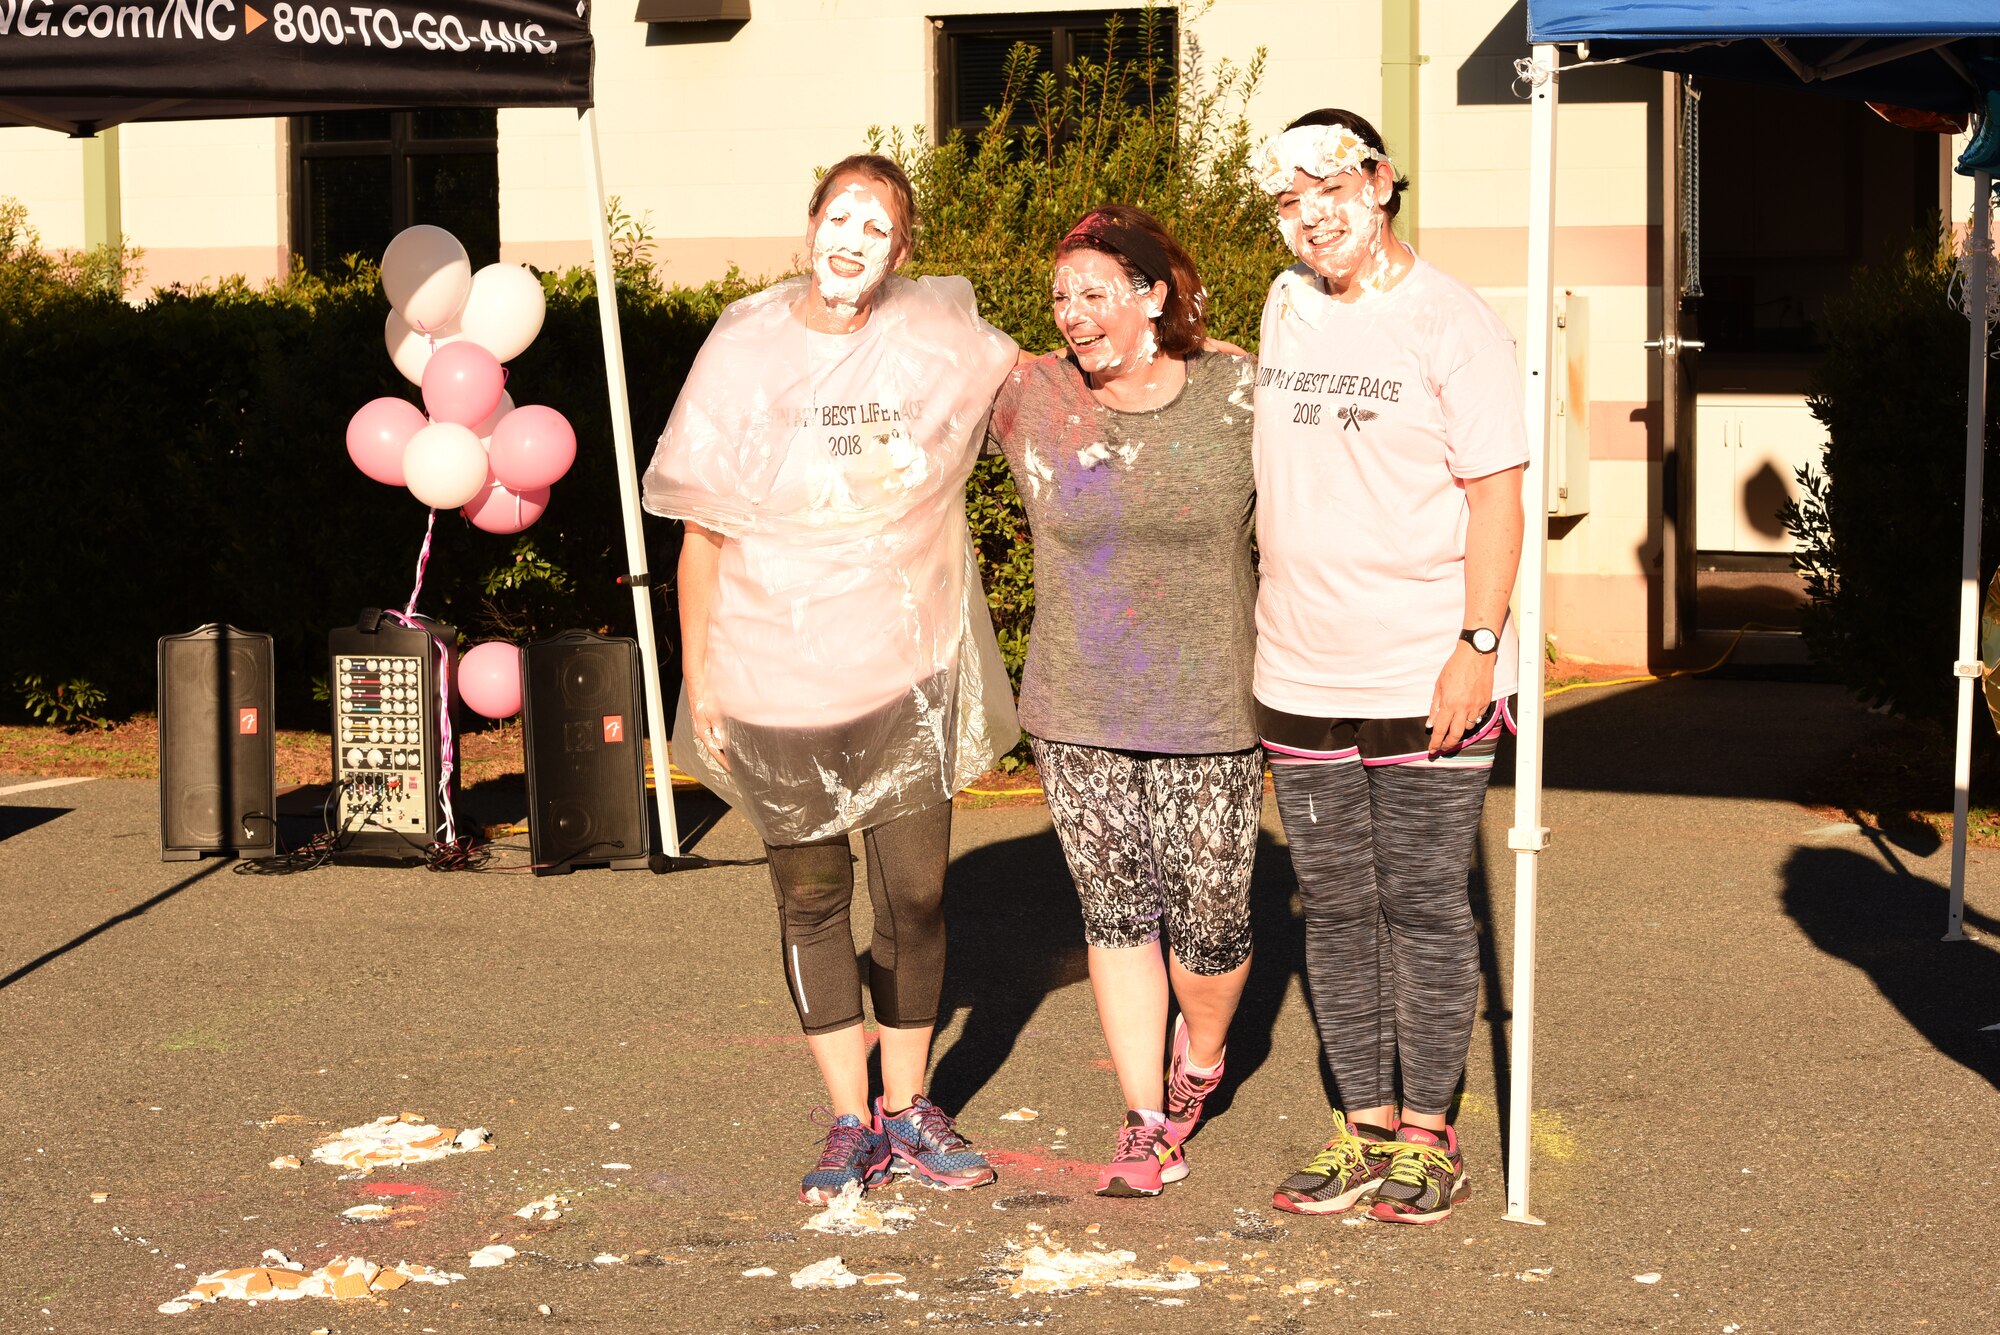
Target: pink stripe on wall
[164,266]
[1608,256]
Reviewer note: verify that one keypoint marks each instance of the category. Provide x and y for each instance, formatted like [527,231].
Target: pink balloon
[501,509]
[489,679]
[377,434]
[532,447]
[462,384]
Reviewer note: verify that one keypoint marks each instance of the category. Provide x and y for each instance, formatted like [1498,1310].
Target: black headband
[1098,231]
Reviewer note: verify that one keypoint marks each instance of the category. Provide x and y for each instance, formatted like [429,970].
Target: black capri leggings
[815,886]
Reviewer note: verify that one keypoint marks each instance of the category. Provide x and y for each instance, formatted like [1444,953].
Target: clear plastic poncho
[850,649]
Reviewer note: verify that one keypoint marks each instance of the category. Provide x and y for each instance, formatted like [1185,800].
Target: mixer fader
[382,720]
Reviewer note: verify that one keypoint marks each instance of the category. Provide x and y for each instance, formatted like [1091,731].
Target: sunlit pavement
[1760,1078]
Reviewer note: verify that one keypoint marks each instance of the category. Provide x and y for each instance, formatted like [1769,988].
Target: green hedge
[1880,525]
[184,461]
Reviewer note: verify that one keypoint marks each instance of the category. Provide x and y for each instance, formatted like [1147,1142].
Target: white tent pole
[1529,836]
[1978,258]
[659,724]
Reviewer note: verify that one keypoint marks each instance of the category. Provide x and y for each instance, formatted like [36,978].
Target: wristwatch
[1481,639]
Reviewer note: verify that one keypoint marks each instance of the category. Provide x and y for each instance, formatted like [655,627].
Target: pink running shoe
[1147,1158]
[1186,1092]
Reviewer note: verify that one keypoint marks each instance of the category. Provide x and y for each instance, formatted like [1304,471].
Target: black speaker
[218,760]
[586,759]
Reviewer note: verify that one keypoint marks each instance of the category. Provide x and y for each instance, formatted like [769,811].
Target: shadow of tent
[1884,922]
[1485,78]
[19,820]
[1700,736]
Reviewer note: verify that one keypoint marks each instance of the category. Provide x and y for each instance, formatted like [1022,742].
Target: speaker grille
[586,766]
[218,788]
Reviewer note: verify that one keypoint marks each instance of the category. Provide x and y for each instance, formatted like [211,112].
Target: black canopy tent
[80,66]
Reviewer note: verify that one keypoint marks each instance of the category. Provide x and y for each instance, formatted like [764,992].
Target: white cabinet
[1748,449]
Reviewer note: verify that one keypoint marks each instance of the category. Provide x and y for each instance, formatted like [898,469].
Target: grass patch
[131,750]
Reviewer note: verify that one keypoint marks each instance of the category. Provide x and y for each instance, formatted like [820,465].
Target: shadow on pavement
[1885,922]
[20,820]
[1015,935]
[135,911]
[1708,737]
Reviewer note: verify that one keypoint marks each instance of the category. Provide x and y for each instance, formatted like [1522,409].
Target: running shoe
[1349,1169]
[851,1152]
[922,1141]
[1147,1158]
[1186,1091]
[1426,1178]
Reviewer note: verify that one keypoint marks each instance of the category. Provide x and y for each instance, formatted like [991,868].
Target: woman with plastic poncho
[840,664]
[1390,444]
[1132,457]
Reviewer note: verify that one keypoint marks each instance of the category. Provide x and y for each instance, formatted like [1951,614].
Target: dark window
[972,58]
[360,177]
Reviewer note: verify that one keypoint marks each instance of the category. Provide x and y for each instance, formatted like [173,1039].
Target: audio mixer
[386,745]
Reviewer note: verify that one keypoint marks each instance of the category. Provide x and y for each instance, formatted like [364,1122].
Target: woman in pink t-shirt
[1390,445]
[840,664]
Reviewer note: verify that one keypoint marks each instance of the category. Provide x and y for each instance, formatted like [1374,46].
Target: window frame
[1061,25]
[401,148]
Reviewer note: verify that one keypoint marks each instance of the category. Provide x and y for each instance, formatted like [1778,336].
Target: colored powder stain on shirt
[1143,634]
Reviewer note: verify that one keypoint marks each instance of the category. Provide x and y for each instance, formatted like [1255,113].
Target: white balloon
[444,465]
[427,275]
[485,429]
[411,349]
[504,310]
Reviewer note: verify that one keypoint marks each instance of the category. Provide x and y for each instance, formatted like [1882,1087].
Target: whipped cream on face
[855,233]
[1092,297]
[1357,217]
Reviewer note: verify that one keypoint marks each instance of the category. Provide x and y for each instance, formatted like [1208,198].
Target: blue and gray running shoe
[923,1141]
[851,1152]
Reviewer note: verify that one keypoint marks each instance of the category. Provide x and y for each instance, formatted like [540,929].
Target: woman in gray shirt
[1132,455]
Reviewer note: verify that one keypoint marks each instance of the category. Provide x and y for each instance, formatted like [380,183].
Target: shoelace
[1342,1154]
[936,1126]
[842,1143]
[1139,1142]
[1186,1088]
[1411,1164]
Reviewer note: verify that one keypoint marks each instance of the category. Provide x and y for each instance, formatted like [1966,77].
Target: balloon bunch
[449,330]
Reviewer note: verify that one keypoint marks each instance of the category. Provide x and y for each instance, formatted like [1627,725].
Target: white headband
[1324,151]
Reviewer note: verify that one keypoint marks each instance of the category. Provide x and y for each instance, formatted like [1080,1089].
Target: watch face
[1484,640]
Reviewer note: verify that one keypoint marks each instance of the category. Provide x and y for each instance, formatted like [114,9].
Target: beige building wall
[207,198]
[1473,184]
[715,143]
[203,199]
[44,170]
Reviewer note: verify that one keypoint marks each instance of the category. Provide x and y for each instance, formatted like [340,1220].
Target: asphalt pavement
[1765,1089]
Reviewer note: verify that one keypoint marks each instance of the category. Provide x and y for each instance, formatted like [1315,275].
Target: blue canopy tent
[1935,55]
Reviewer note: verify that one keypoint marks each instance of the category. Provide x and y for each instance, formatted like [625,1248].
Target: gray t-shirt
[1145,599]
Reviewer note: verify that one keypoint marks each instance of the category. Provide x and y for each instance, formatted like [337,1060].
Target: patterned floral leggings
[1149,837]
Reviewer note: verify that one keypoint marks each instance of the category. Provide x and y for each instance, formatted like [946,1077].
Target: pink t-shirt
[1369,416]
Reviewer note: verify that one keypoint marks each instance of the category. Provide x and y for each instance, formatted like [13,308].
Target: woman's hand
[701,551]
[1223,346]
[1463,693]
[711,733]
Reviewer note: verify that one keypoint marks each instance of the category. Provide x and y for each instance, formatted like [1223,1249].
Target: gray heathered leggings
[1392,957]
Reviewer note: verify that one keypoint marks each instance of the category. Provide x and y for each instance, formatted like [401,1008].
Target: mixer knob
[354,758]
